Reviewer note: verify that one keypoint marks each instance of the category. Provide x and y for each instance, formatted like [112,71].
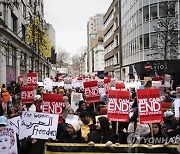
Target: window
[146,13]
[23,32]
[10,55]
[163,9]
[140,16]
[146,41]
[14,22]
[172,11]
[153,39]
[153,11]
[23,9]
[141,42]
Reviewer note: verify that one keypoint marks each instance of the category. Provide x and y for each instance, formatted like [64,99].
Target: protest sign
[107,85]
[177,107]
[8,141]
[167,80]
[149,105]
[48,84]
[21,79]
[67,83]
[71,118]
[52,103]
[15,124]
[156,84]
[177,92]
[27,94]
[118,105]
[75,98]
[91,91]
[32,79]
[38,125]
[101,86]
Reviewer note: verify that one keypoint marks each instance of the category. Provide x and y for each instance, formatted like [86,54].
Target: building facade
[139,20]
[94,24]
[16,56]
[112,39]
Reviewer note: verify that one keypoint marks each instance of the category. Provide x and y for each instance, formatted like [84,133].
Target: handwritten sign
[15,123]
[67,83]
[8,144]
[38,125]
[149,105]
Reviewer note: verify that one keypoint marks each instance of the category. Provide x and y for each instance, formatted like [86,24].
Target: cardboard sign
[91,91]
[149,106]
[38,125]
[32,79]
[75,98]
[53,103]
[8,144]
[15,124]
[118,105]
[27,94]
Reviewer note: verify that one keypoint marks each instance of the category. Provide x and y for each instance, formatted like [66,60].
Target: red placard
[149,106]
[91,91]
[118,105]
[27,94]
[32,79]
[119,85]
[107,85]
[21,79]
[53,103]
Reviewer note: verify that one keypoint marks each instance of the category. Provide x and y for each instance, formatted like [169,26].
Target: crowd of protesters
[89,129]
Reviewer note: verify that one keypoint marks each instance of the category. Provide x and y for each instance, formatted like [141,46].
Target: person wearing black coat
[102,134]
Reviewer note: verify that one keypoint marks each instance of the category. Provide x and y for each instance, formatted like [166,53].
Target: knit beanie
[76,125]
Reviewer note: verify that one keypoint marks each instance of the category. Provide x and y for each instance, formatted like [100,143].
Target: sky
[69,19]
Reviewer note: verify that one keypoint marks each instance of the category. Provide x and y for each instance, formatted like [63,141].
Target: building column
[18,57]
[2,65]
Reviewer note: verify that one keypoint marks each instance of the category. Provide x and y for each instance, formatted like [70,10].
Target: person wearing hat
[38,103]
[72,133]
[3,121]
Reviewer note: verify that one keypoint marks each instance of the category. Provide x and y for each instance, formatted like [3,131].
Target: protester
[72,133]
[102,134]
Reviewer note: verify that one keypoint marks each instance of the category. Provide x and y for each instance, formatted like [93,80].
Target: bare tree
[63,58]
[166,46]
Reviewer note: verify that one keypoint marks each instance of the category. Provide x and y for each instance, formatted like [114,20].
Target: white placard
[167,80]
[15,123]
[156,84]
[38,125]
[75,98]
[48,84]
[71,118]
[8,144]
[177,108]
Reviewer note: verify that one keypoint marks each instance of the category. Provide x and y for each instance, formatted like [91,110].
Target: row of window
[149,12]
[109,34]
[109,62]
[110,18]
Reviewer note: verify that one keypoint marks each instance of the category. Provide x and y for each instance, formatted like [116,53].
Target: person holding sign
[102,134]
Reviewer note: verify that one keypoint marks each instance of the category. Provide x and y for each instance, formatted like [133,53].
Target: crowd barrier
[73,148]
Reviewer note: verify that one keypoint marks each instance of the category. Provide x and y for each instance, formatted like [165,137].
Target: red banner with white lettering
[52,103]
[107,85]
[91,91]
[149,106]
[27,94]
[21,79]
[32,79]
[118,105]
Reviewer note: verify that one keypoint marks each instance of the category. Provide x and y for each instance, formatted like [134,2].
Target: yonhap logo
[134,139]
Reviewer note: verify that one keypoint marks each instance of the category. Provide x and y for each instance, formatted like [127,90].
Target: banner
[91,91]
[15,123]
[118,105]
[32,79]
[107,85]
[27,94]
[67,83]
[8,141]
[52,103]
[149,105]
[65,148]
[38,125]
[75,98]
